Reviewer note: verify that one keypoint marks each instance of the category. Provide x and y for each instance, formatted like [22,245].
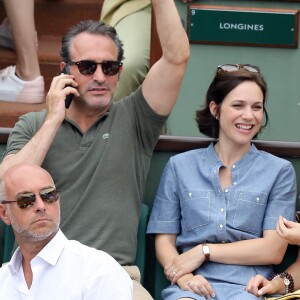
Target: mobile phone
[69,97]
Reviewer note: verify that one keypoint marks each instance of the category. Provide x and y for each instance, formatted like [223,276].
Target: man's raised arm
[162,83]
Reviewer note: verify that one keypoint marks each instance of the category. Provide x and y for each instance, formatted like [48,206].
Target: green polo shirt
[101,173]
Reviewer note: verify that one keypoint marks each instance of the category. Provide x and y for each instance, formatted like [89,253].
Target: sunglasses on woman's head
[26,200]
[236,67]
[89,67]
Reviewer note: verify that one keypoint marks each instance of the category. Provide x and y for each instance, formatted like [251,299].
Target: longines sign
[243,26]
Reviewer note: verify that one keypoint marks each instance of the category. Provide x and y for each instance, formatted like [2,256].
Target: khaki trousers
[139,292]
[134,31]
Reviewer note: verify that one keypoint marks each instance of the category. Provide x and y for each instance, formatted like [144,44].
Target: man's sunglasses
[236,67]
[89,67]
[27,200]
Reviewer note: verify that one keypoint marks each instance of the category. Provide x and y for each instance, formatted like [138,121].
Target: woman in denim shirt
[216,209]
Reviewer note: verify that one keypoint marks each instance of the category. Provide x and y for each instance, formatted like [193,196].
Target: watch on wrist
[287,280]
[206,251]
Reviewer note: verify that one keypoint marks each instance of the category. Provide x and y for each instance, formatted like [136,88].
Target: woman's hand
[196,284]
[259,286]
[184,263]
[288,230]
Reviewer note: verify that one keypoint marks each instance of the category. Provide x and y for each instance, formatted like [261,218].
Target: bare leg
[23,82]
[21,17]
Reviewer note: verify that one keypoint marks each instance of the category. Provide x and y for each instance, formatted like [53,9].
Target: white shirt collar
[50,253]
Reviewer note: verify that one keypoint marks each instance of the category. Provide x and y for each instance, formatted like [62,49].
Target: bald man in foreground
[47,265]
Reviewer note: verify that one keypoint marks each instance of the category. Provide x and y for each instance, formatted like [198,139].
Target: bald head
[36,214]
[21,175]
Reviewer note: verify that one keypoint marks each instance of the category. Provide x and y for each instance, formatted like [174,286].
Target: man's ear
[62,65]
[3,214]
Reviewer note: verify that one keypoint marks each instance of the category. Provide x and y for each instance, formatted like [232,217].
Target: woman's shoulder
[272,159]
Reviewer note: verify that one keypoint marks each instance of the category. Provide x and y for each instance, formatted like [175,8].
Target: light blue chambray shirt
[190,203]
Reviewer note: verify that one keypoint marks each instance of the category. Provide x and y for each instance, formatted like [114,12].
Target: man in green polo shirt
[98,152]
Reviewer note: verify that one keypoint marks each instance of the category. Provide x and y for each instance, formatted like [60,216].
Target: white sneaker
[6,37]
[14,89]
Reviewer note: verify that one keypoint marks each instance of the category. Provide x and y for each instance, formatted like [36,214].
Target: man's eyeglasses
[236,67]
[89,67]
[27,200]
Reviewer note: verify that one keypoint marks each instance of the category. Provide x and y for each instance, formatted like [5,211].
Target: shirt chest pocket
[250,211]
[195,207]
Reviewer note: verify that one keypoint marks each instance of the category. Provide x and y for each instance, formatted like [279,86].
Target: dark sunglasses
[26,200]
[89,67]
[236,67]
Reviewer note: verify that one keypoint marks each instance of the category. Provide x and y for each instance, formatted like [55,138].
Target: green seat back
[9,240]
[140,258]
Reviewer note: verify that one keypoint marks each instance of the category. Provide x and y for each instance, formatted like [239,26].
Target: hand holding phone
[69,97]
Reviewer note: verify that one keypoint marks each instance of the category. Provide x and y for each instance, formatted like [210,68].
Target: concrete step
[54,17]
[10,112]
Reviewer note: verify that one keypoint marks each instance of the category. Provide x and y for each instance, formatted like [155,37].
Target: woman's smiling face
[241,113]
